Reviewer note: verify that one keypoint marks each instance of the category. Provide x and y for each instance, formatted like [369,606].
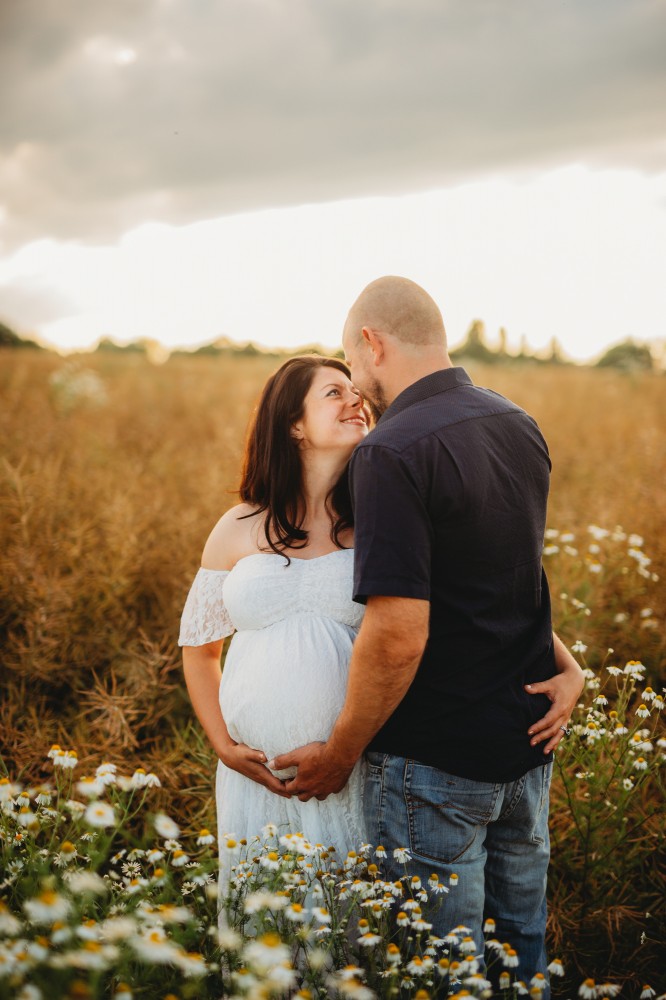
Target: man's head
[394,335]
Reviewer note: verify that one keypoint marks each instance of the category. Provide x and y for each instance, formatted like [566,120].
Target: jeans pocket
[539,834]
[375,763]
[447,814]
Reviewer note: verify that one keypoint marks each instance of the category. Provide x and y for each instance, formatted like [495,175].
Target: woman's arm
[201,666]
[563,690]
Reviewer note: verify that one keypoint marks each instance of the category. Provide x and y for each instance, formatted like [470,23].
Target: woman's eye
[331,391]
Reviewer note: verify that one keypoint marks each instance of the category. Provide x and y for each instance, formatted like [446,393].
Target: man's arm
[563,690]
[385,658]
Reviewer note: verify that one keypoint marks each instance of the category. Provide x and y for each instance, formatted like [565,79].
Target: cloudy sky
[185,169]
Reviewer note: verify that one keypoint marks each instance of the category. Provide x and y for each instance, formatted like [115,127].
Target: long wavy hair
[272,473]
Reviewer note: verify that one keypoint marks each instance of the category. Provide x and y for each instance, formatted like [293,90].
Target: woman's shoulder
[232,537]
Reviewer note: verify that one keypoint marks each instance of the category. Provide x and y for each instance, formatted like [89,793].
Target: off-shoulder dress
[283,683]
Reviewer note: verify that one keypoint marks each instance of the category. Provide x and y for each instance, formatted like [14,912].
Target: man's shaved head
[399,307]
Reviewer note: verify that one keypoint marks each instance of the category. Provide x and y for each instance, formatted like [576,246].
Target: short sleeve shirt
[449,494]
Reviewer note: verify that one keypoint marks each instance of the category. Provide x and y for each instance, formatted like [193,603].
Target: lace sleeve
[205,618]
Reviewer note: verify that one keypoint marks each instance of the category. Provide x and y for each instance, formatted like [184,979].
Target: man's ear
[375,341]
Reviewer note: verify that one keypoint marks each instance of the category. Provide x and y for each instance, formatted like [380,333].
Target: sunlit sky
[186,172]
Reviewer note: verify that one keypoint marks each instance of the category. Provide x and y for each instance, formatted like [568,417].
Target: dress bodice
[263,589]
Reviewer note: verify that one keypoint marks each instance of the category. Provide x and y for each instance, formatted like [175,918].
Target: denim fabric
[494,836]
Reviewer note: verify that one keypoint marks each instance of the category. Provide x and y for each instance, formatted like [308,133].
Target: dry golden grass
[106,501]
[106,504]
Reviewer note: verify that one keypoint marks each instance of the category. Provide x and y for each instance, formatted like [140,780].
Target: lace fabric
[205,618]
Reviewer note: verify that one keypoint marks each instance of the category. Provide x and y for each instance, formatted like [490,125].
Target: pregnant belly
[283,687]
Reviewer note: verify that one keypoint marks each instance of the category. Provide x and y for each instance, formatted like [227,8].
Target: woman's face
[334,417]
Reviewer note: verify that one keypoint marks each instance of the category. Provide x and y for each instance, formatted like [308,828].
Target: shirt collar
[430,385]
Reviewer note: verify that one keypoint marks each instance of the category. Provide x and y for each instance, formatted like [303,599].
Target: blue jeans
[494,836]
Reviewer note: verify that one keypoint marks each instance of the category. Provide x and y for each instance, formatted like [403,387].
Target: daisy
[47,908]
[90,788]
[191,963]
[369,940]
[267,952]
[258,901]
[106,773]
[165,827]
[100,814]
[393,956]
[80,882]
[296,913]
[154,947]
[67,759]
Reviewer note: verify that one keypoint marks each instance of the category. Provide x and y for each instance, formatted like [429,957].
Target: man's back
[450,496]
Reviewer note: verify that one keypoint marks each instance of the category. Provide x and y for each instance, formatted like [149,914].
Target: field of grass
[113,471]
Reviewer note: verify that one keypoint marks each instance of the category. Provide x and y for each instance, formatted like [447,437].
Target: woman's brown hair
[272,474]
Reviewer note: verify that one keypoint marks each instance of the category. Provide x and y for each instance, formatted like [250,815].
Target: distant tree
[249,349]
[106,344]
[628,356]
[525,349]
[206,349]
[9,338]
[474,346]
[555,355]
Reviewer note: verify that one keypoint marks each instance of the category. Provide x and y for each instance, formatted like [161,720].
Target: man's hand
[319,773]
[252,763]
[563,690]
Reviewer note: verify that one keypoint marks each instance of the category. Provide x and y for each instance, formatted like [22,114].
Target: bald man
[458,689]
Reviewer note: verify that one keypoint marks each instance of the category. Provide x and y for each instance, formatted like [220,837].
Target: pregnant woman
[277,572]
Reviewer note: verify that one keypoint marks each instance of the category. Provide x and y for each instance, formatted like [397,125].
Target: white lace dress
[283,684]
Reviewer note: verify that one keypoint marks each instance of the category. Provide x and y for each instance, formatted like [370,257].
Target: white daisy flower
[266,952]
[153,946]
[100,814]
[106,773]
[47,908]
[165,827]
[90,788]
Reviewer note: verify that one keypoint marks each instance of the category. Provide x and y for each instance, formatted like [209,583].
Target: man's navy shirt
[449,494]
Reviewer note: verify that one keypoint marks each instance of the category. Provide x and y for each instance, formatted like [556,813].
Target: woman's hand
[252,763]
[563,691]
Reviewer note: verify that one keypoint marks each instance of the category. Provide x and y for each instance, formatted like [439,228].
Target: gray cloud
[238,104]
[28,304]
